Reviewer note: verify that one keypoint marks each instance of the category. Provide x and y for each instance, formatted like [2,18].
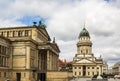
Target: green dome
[84,32]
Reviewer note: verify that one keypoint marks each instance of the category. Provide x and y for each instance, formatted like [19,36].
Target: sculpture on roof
[41,24]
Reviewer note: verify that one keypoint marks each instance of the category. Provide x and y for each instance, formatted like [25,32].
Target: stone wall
[59,76]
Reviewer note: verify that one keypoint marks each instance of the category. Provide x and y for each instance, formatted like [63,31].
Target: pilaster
[28,57]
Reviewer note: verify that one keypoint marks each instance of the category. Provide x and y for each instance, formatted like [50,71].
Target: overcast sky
[65,20]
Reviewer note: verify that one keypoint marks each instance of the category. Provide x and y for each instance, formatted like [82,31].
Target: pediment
[44,32]
[85,61]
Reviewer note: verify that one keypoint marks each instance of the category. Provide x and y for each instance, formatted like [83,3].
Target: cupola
[83,33]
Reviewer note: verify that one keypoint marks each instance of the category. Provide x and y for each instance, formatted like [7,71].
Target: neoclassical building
[116,68]
[85,64]
[27,53]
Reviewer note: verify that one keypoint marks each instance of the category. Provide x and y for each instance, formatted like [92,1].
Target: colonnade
[48,60]
[52,61]
[3,56]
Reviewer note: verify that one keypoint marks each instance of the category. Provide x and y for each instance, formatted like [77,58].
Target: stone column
[16,33]
[39,61]
[53,62]
[23,33]
[48,60]
[42,61]
[81,70]
[29,33]
[3,61]
[11,33]
[101,69]
[57,62]
[37,58]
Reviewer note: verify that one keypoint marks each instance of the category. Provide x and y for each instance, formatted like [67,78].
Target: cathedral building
[85,64]
[27,53]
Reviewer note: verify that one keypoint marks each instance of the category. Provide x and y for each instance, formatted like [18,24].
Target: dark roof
[84,32]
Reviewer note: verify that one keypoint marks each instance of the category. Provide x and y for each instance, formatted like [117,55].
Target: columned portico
[27,53]
[50,56]
[84,62]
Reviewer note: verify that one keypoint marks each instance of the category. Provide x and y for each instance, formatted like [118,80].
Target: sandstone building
[63,65]
[85,64]
[116,68]
[105,67]
[27,53]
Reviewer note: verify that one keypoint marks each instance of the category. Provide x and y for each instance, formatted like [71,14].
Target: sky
[65,19]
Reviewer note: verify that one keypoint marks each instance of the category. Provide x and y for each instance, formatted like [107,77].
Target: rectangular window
[88,73]
[79,67]
[93,73]
[92,67]
[75,73]
[97,67]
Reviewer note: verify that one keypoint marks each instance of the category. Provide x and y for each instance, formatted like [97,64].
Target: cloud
[65,20]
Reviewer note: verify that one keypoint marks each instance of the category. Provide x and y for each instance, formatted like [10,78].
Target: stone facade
[84,62]
[65,66]
[27,53]
[59,76]
[116,68]
[105,67]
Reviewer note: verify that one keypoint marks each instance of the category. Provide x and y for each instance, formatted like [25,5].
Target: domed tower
[84,45]
[84,62]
